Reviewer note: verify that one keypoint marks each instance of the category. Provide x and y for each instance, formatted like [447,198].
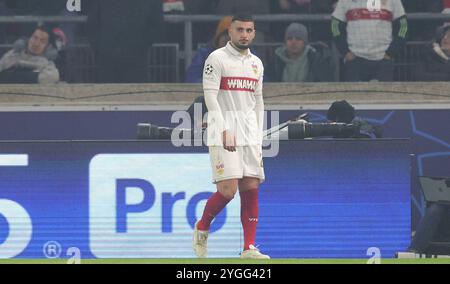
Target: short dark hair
[341,111]
[243,18]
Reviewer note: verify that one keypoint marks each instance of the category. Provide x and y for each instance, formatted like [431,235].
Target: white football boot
[200,242]
[253,253]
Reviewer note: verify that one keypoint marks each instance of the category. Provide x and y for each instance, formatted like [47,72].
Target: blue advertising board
[430,137]
[140,199]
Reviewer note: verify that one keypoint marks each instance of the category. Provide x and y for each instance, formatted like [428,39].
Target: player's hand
[229,141]
[387,57]
[349,56]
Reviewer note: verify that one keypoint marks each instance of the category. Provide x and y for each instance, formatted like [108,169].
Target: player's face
[38,42]
[242,34]
[295,46]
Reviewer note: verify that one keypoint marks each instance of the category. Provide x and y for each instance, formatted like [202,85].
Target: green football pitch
[227,261]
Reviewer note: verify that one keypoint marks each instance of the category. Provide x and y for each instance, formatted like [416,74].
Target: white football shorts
[245,162]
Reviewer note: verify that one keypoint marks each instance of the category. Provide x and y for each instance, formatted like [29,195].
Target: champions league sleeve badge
[209,69]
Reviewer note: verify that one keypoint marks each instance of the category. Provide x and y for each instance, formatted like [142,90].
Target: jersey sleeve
[259,87]
[212,73]
[259,104]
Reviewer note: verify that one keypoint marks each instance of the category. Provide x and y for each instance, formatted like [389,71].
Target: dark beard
[240,46]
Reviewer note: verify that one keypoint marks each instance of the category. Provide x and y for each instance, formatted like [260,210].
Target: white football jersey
[237,80]
[369,32]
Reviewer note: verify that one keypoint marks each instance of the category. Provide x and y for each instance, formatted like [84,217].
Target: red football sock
[214,205]
[249,216]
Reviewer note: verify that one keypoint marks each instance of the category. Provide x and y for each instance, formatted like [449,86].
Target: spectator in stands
[44,8]
[120,33]
[31,60]
[369,40]
[194,73]
[299,61]
[252,7]
[435,62]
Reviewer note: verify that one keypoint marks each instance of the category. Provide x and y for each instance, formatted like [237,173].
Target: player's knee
[228,192]
[249,184]
[229,195]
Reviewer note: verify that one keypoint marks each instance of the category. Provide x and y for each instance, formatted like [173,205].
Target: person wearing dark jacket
[435,62]
[299,61]
[121,33]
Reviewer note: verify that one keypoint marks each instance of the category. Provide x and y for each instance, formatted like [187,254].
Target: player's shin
[249,216]
[214,205]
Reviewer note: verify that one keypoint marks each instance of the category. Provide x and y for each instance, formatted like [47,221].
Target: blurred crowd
[119,34]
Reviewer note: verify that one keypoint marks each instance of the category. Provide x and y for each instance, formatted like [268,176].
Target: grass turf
[226,261]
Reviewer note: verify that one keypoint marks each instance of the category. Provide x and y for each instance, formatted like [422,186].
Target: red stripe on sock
[249,216]
[214,205]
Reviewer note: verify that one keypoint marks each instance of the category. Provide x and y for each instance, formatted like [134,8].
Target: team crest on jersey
[255,68]
[220,168]
[209,69]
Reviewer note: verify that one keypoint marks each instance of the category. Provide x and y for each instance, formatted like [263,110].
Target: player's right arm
[217,127]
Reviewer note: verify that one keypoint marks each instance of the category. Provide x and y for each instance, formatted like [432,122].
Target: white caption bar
[13,160]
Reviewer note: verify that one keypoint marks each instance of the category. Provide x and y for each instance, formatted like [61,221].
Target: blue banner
[140,199]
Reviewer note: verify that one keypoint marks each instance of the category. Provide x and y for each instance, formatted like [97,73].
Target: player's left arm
[259,106]
[399,29]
